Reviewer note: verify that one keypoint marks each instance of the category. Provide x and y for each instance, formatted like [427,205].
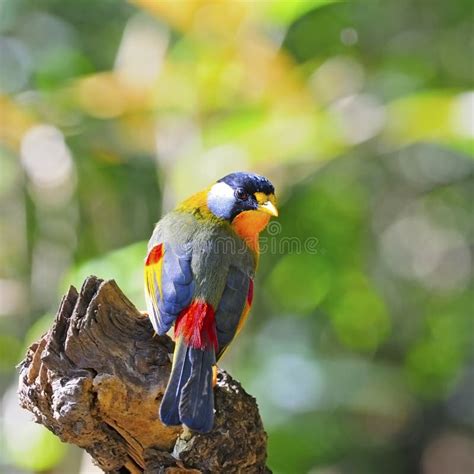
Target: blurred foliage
[360,346]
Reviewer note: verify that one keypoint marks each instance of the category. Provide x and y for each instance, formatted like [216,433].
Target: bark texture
[96,379]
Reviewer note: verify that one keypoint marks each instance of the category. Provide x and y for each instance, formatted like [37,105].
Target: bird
[199,272]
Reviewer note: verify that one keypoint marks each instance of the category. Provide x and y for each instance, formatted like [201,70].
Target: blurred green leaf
[42,452]
[125,266]
[28,446]
[299,283]
[60,67]
[434,362]
[310,441]
[359,315]
[465,146]
[285,12]
[10,352]
[40,327]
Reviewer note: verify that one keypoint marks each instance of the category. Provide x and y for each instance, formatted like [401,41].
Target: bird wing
[169,284]
[233,308]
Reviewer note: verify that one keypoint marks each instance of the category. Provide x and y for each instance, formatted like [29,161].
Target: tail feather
[180,373]
[189,397]
[196,406]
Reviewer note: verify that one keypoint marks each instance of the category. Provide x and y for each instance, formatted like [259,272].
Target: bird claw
[214,376]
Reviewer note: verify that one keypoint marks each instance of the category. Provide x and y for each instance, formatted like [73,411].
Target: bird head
[239,194]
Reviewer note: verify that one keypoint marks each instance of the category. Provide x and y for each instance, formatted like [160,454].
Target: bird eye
[241,194]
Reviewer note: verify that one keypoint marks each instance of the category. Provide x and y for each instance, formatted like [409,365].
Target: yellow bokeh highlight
[15,120]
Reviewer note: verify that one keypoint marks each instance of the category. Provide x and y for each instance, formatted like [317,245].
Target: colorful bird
[199,274]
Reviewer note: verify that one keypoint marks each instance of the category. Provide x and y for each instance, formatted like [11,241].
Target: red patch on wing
[197,324]
[155,255]
[250,293]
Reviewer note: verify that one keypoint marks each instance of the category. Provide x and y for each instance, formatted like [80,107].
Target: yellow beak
[269,208]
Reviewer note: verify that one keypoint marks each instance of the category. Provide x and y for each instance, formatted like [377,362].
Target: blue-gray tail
[189,397]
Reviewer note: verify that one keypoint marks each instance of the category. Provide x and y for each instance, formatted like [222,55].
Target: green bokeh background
[359,348]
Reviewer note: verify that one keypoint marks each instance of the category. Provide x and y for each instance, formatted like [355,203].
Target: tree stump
[96,379]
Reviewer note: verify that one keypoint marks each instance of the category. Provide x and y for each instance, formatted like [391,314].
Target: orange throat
[248,225]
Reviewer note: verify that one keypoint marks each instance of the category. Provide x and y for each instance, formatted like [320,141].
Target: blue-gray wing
[233,307]
[169,284]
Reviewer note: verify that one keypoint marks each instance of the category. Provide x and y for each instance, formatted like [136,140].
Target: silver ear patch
[221,200]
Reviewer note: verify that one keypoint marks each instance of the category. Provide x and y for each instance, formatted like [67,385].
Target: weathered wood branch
[96,379]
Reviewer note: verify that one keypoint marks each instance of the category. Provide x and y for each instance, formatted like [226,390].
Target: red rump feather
[197,324]
[155,255]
